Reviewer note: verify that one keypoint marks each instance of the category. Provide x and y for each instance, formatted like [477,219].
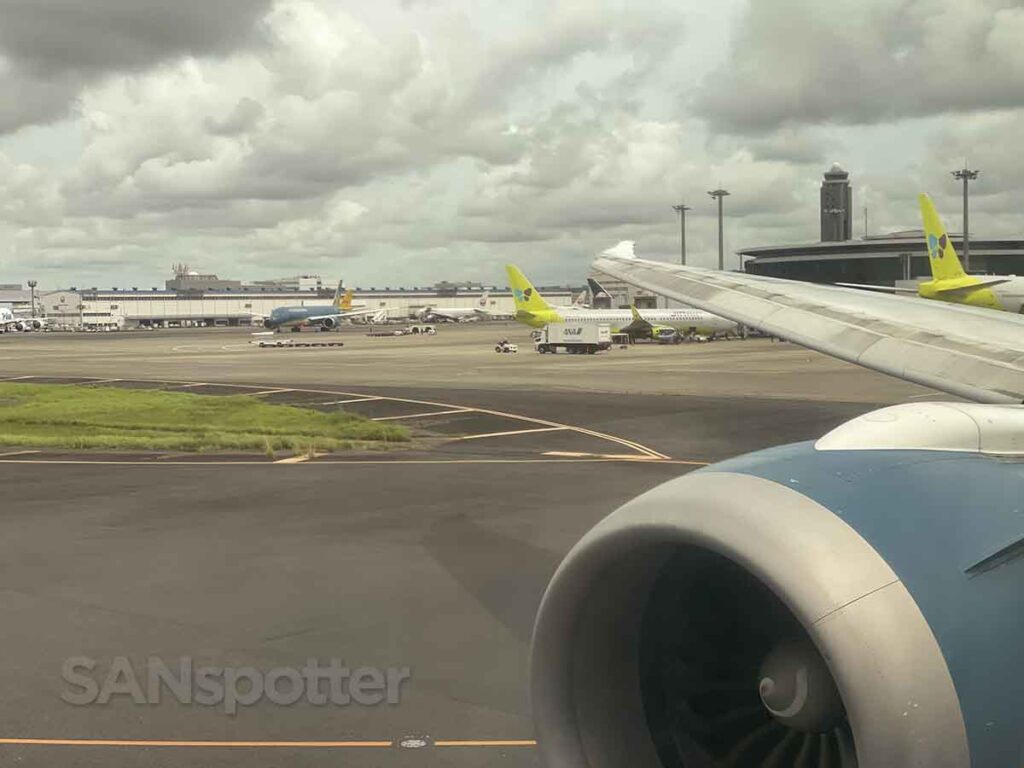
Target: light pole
[681,210]
[32,285]
[966,175]
[719,194]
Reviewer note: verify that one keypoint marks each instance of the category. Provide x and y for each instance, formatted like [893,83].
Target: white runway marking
[294,459]
[352,400]
[423,415]
[513,432]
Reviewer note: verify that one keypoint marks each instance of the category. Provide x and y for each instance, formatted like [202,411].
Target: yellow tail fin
[344,302]
[524,294]
[941,253]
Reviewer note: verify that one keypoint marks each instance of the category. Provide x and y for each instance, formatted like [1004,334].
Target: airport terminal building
[207,300]
[878,259]
[873,259]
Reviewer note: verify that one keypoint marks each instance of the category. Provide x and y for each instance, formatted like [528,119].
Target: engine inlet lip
[859,616]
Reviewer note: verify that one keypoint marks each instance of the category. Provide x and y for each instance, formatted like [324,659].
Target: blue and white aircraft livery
[326,316]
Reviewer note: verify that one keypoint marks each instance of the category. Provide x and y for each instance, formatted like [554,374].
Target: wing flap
[879,288]
[973,353]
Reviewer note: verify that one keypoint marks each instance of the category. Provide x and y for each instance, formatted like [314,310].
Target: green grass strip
[81,417]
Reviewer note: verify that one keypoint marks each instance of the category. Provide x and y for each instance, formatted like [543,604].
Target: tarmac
[433,557]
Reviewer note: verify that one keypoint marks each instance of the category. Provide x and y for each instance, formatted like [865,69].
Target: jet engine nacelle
[329,323]
[858,600]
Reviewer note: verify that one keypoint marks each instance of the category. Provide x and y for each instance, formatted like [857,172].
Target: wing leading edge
[974,353]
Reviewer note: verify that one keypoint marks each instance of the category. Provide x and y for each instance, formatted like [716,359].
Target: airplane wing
[974,353]
[336,315]
[879,288]
[440,314]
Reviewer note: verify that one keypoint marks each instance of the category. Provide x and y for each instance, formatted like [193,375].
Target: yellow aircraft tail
[523,293]
[941,254]
[343,302]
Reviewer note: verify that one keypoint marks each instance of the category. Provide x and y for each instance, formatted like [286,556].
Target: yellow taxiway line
[181,743]
[208,744]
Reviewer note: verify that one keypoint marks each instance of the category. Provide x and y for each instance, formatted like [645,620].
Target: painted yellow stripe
[158,462]
[208,744]
[624,457]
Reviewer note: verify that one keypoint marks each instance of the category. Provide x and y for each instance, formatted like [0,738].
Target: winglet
[635,312]
[624,250]
[597,290]
[942,256]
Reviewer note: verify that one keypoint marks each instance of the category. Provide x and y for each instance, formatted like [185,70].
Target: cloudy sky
[401,142]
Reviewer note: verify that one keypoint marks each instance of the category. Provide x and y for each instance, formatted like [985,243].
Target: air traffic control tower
[836,206]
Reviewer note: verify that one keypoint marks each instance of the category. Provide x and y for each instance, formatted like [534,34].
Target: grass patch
[65,416]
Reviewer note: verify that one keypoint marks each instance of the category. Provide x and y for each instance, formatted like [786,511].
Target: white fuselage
[1010,294]
[10,322]
[684,319]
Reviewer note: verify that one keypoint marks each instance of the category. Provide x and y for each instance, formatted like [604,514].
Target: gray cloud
[55,36]
[864,61]
[443,140]
[51,49]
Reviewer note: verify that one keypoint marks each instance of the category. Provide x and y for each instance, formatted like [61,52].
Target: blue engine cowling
[855,601]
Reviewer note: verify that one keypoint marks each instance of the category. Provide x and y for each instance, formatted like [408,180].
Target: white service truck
[574,338]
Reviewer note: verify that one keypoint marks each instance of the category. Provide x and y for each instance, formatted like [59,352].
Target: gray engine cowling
[804,606]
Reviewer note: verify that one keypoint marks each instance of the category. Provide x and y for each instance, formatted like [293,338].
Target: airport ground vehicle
[574,338]
[416,329]
[272,342]
[505,346]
